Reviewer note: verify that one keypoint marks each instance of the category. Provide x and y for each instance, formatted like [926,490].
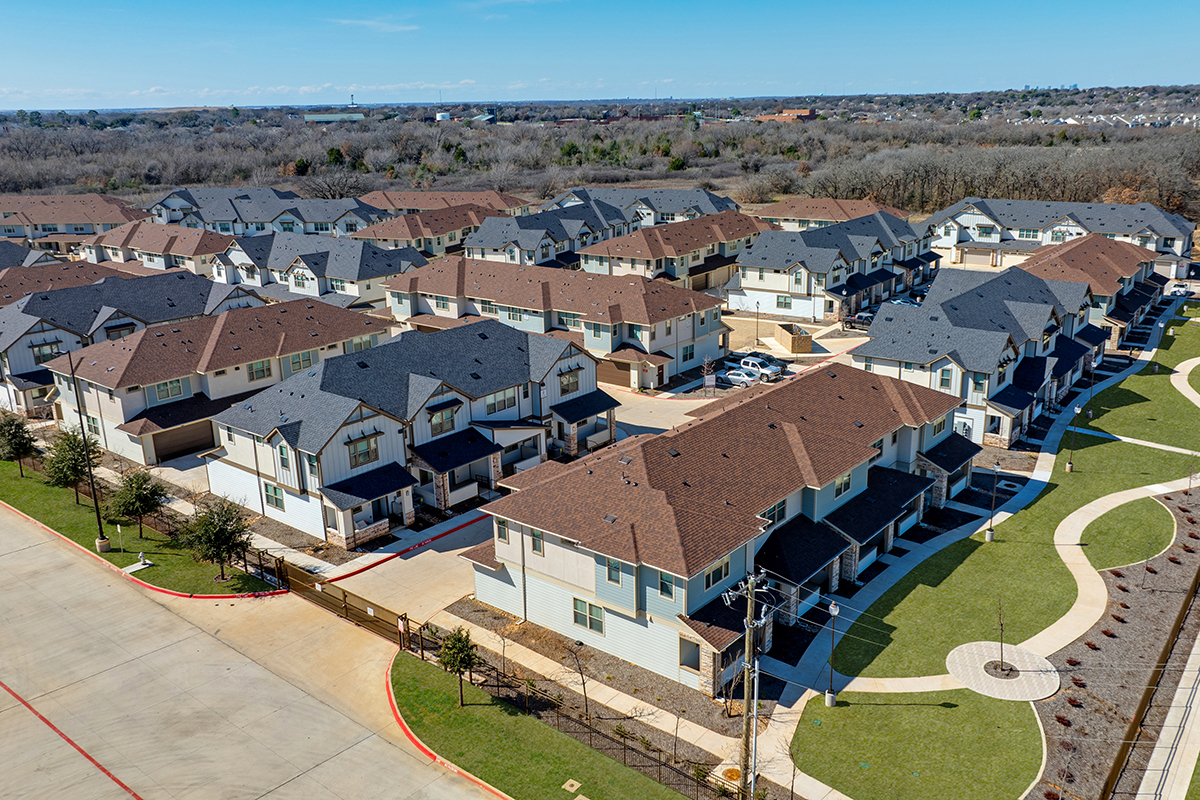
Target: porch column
[834,570]
[497,474]
[611,419]
[850,562]
[406,505]
[941,488]
[889,534]
[572,442]
[441,489]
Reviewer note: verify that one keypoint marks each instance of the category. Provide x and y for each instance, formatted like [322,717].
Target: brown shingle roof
[16,282]
[204,344]
[680,238]
[424,224]
[826,209]
[606,299]
[682,499]
[1094,259]
[429,200]
[96,209]
[150,237]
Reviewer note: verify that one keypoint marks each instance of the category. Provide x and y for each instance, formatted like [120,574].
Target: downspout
[524,593]
[258,478]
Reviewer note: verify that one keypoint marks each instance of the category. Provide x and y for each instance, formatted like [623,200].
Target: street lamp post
[1161,325]
[1071,460]
[756,312]
[101,536]
[990,535]
[831,696]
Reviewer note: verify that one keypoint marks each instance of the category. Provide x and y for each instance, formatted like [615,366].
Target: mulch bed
[299,540]
[943,520]
[1021,458]
[1106,671]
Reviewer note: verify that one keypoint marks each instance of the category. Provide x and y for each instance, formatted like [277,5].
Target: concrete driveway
[641,413]
[177,698]
[425,581]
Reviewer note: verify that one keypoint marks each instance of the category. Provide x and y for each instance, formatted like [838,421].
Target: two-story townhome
[642,331]
[1008,344]
[549,237]
[60,223]
[148,397]
[41,326]
[19,282]
[245,212]
[1001,233]
[158,246]
[399,203]
[437,418]
[432,232]
[834,271]
[695,254]
[15,254]
[285,266]
[1120,276]
[648,206]
[630,549]
[802,213]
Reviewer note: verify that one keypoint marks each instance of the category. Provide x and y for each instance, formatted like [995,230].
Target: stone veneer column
[441,489]
[850,563]
[834,569]
[888,536]
[572,442]
[941,487]
[708,658]
[497,473]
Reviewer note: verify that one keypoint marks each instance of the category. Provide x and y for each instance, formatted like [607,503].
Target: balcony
[463,491]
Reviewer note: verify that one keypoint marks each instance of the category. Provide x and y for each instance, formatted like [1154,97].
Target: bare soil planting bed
[1105,672]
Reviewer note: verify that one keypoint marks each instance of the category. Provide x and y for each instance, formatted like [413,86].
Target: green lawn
[1145,405]
[1129,533]
[1190,310]
[510,750]
[1194,787]
[951,598]
[919,746]
[174,568]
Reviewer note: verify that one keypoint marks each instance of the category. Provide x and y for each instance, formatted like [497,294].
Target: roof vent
[673,453]
[857,424]
[772,425]
[482,335]
[830,374]
[610,518]
[363,365]
[624,460]
[476,376]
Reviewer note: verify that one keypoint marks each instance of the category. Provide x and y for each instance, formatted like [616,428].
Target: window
[1168,242]
[302,360]
[363,451]
[351,227]
[635,332]
[589,616]
[168,389]
[613,568]
[568,383]
[49,229]
[284,461]
[716,573]
[229,433]
[979,382]
[259,370]
[569,320]
[783,301]
[666,586]
[441,301]
[944,378]
[868,364]
[689,352]
[502,530]
[44,352]
[986,230]
[1001,376]
[1143,241]
[908,366]
[224,228]
[312,463]
[668,328]
[274,495]
[775,513]
[337,285]
[359,343]
[1058,237]
[597,330]
[487,307]
[878,446]
[762,274]
[1027,233]
[442,421]
[300,279]
[895,436]
[287,227]
[841,485]
[93,425]
[321,227]
[515,314]
[500,401]
[537,542]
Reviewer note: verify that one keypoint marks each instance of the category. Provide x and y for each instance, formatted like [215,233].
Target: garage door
[700,282]
[977,258]
[613,372]
[183,440]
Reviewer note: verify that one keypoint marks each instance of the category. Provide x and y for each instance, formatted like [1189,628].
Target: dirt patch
[299,540]
[1019,459]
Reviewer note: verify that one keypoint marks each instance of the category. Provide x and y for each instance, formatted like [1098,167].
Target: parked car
[918,294]
[736,377]
[770,359]
[1180,290]
[757,366]
[904,301]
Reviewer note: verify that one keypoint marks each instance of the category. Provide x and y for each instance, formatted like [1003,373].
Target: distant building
[245,212]
[60,223]
[802,213]
[158,246]
[789,115]
[334,117]
[399,203]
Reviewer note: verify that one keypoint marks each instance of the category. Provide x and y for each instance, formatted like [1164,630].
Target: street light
[1161,325]
[582,680]
[830,696]
[756,307]
[1071,460]
[990,535]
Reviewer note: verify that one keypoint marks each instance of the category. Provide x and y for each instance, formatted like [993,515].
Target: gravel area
[1106,671]
[633,680]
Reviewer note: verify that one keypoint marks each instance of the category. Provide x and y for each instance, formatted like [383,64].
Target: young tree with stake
[218,533]
[458,656]
[138,496]
[16,442]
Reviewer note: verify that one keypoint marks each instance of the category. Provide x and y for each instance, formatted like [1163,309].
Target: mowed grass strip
[174,567]
[1132,532]
[919,746]
[509,749]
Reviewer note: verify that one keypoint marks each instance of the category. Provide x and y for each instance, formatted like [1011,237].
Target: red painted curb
[129,577]
[408,549]
[70,741]
[424,748]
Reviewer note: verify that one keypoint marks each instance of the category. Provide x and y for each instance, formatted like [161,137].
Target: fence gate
[348,605]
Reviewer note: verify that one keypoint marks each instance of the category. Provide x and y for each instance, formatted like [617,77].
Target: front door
[379,509]
[660,375]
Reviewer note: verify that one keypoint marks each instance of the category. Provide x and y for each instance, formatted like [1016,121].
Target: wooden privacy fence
[348,605]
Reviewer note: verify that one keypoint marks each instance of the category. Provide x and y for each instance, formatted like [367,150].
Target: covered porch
[950,462]
[720,653]
[585,423]
[638,368]
[871,520]
[1007,416]
[455,468]
[804,560]
[33,393]
[860,291]
[524,443]
[916,271]
[357,509]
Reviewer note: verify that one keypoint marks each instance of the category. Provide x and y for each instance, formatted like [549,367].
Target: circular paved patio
[1036,677]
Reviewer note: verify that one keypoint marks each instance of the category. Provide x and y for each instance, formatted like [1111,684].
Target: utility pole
[743,779]
[87,454]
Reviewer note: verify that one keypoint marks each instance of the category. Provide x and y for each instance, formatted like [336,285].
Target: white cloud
[377,25]
[465,81]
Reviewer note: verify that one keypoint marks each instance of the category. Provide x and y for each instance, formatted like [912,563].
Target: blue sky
[269,52]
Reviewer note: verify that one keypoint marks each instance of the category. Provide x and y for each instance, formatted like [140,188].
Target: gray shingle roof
[15,255]
[817,249]
[1095,217]
[663,201]
[560,224]
[265,205]
[328,257]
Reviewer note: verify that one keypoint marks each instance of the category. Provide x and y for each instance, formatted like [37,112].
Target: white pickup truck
[756,366]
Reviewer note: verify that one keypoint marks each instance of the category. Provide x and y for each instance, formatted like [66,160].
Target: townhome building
[149,396]
[158,246]
[1009,344]
[802,213]
[647,206]
[835,271]
[13,254]
[42,326]
[400,203]
[643,331]
[436,418]
[550,237]
[1120,276]
[59,223]
[631,549]
[247,211]
[286,266]
[1001,233]
[695,254]
[19,282]
[433,232]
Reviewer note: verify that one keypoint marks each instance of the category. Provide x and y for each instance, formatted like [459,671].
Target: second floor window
[568,383]
[1028,233]
[842,485]
[502,530]
[44,352]
[359,343]
[979,382]
[1058,237]
[939,426]
[515,314]
[985,231]
[312,464]
[441,301]
[337,284]
[258,370]
[442,421]
[285,461]
[716,573]
[302,360]
[501,400]
[537,542]
[364,451]
[878,446]
[168,389]
[568,320]
[274,496]
[666,586]
[487,307]
[775,514]
[944,378]
[613,570]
